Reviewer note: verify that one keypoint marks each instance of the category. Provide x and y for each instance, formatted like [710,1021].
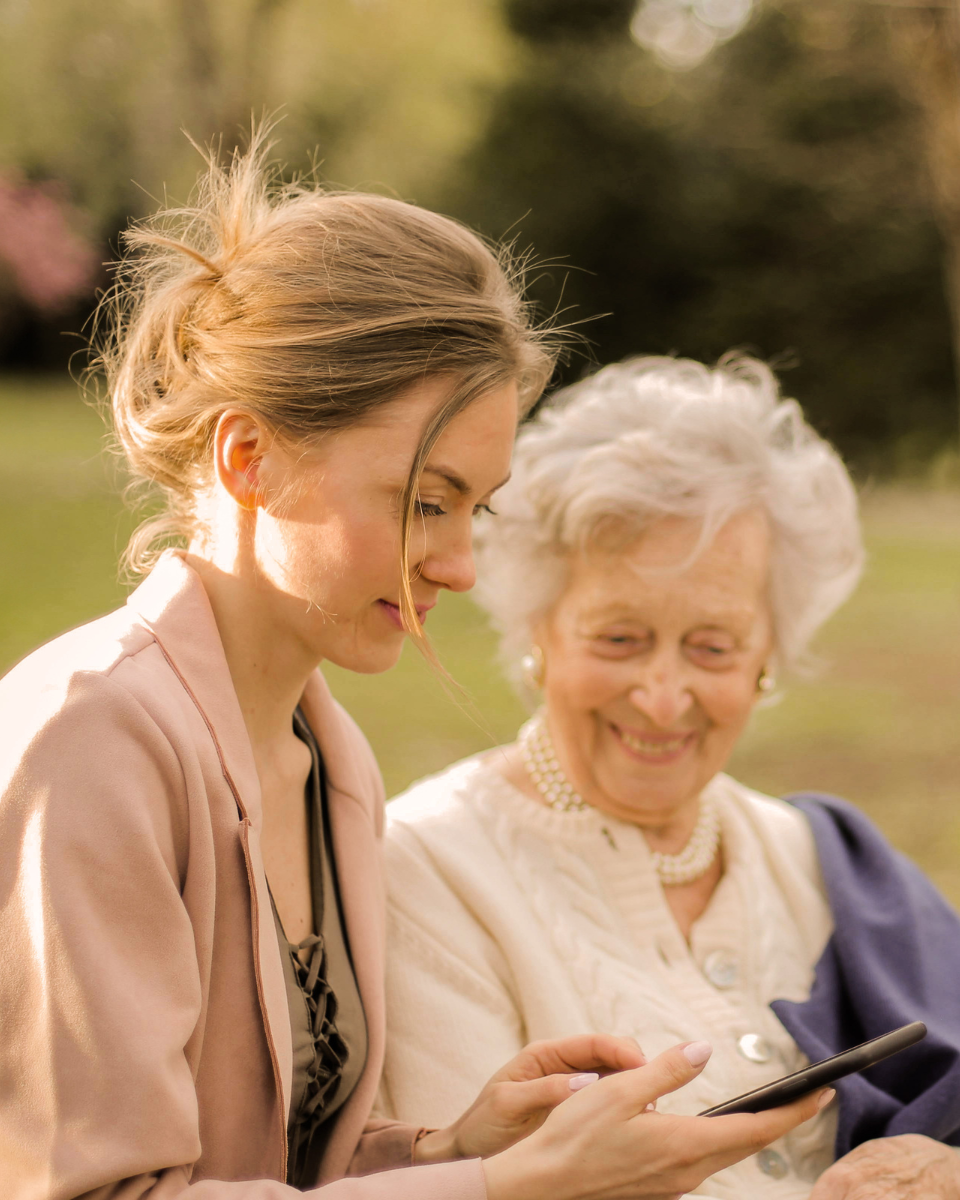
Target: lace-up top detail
[324,1074]
[328,1029]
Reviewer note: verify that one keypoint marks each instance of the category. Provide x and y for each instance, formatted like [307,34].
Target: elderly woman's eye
[616,644]
[712,650]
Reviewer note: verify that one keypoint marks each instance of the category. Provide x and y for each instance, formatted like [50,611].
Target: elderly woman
[670,540]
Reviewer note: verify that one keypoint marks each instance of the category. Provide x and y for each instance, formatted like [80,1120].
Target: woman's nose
[662,694]
[451,565]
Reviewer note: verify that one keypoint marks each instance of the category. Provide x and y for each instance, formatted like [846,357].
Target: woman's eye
[616,645]
[483,508]
[429,510]
[712,651]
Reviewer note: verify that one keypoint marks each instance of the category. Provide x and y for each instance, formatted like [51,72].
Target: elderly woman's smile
[651,660]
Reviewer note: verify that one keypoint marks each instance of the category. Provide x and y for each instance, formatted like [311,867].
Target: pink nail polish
[581,1081]
[825,1099]
[697,1053]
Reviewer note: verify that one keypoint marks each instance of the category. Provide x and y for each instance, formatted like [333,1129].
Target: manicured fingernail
[581,1081]
[697,1053]
[651,1107]
[825,1098]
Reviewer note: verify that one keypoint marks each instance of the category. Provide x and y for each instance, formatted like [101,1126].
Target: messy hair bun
[309,308]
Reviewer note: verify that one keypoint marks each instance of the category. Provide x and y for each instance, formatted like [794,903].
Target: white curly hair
[654,437]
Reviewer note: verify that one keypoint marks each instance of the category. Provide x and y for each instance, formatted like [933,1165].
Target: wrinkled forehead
[675,558]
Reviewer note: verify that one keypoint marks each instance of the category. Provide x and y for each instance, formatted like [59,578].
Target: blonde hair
[657,437]
[309,308]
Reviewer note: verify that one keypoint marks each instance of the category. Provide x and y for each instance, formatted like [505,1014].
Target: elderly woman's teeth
[642,746]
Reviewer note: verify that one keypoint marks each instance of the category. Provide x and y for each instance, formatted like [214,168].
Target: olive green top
[327,1023]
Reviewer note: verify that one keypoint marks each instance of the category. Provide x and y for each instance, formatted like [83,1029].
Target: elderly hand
[518,1099]
[906,1167]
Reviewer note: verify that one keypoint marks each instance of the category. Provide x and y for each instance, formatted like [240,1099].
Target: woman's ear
[239,445]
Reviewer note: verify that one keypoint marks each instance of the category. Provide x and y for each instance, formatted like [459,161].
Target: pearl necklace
[540,760]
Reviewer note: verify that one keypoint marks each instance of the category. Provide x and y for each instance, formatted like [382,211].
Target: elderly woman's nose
[662,695]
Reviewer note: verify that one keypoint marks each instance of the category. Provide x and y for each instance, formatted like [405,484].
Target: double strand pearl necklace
[540,760]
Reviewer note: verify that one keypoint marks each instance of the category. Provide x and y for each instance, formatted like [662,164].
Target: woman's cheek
[730,702]
[595,681]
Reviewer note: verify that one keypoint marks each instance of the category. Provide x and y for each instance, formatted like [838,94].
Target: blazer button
[755,1048]
[773,1164]
[721,968]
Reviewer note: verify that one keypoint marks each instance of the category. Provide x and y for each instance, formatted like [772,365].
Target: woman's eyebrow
[610,611]
[457,482]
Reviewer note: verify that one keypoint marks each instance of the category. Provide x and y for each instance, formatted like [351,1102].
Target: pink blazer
[144,1035]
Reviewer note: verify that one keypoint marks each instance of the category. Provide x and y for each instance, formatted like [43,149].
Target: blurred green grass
[880,725]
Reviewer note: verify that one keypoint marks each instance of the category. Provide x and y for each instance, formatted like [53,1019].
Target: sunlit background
[691,175]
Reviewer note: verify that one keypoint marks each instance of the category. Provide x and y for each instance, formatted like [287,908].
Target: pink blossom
[50,261]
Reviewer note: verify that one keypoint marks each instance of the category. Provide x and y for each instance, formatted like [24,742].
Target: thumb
[644,1085]
[765,1127]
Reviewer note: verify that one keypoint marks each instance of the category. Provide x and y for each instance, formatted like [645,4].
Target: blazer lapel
[173,604]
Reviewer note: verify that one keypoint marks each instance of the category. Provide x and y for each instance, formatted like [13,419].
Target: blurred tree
[775,197]
[97,98]
[772,199]
[927,33]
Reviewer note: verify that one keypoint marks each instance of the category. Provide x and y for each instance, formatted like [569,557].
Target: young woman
[325,388]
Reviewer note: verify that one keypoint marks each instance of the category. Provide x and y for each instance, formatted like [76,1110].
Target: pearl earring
[766,682]
[531,669]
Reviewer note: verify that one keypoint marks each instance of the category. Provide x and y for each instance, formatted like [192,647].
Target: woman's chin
[369,658]
[651,802]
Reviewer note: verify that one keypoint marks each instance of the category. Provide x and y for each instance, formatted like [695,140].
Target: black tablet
[819,1074]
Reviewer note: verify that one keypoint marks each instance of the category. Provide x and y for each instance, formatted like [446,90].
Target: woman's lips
[393,612]
[653,747]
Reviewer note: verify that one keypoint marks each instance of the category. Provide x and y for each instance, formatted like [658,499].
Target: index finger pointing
[580,1052]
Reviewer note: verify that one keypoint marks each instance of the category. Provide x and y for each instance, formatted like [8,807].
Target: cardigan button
[721,968]
[755,1048]
[773,1164]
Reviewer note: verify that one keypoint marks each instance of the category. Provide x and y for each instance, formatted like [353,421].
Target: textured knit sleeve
[452,1019]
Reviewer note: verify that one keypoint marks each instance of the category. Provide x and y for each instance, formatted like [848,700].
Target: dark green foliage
[839,109]
[549,20]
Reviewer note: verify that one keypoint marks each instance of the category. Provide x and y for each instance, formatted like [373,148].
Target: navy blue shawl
[894,957]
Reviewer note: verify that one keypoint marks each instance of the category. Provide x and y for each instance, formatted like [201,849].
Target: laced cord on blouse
[330,1051]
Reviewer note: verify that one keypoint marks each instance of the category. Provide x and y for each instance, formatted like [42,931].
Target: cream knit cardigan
[510,922]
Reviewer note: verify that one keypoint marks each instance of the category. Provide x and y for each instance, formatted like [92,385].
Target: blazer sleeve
[384,1144]
[100,992]
[439,1181]
[97,992]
